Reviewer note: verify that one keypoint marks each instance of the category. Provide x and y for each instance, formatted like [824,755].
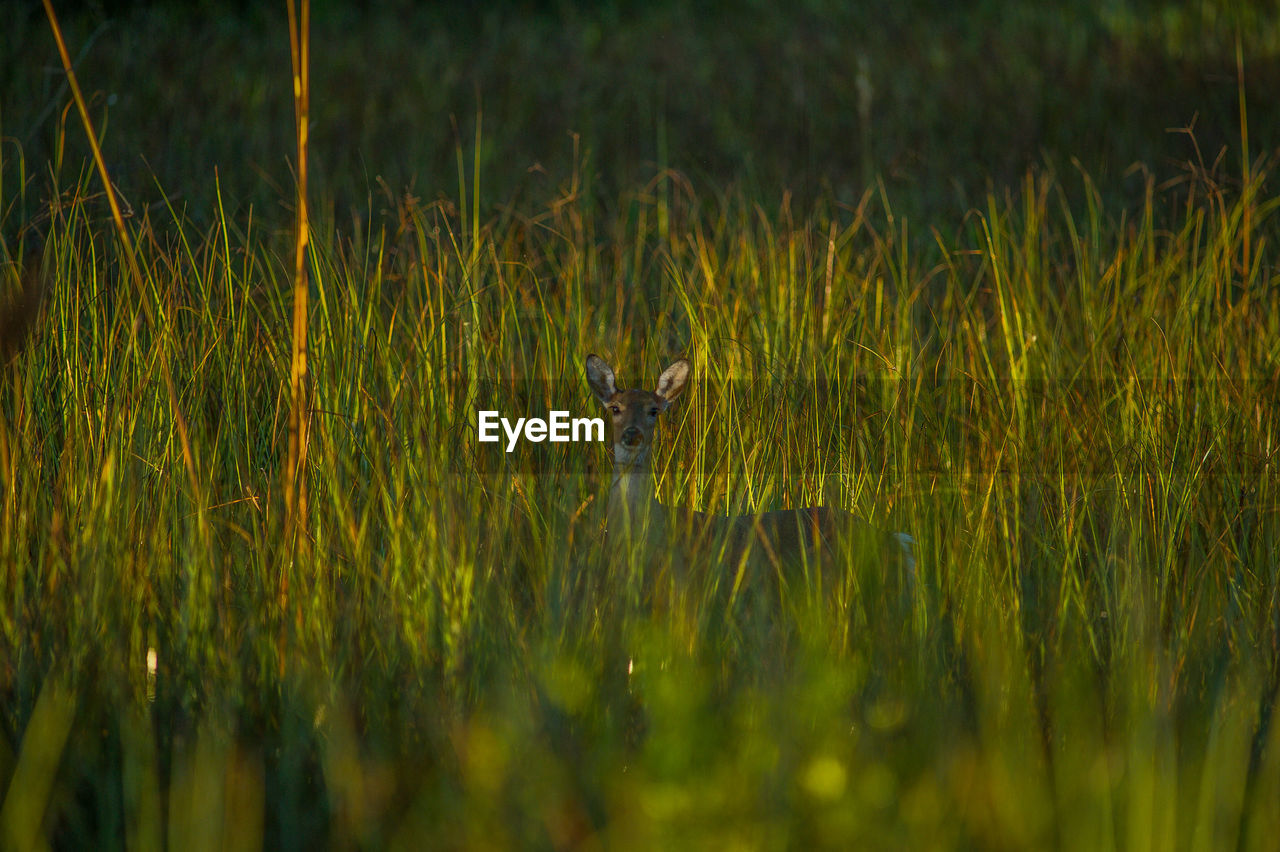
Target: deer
[637,522]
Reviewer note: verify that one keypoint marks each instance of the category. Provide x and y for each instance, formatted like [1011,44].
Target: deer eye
[615,410]
[653,412]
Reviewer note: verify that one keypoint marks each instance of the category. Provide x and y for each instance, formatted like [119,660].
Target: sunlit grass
[1073,416]
[1068,403]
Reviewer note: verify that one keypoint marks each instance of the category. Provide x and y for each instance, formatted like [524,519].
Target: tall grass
[1069,405]
[1074,416]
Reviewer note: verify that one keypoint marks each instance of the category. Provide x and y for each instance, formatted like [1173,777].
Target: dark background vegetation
[942,101]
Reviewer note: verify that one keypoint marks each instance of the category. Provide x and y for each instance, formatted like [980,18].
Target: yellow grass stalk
[295,486]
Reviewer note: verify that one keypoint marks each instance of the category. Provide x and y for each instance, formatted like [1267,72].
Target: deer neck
[631,495]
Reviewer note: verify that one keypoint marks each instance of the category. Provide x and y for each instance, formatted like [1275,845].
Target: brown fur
[18,313]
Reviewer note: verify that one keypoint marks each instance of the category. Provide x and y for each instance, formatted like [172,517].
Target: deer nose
[631,437]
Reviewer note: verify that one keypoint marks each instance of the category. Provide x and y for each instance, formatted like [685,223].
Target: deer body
[638,522]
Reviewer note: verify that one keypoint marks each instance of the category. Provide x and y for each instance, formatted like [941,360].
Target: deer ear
[601,379]
[673,379]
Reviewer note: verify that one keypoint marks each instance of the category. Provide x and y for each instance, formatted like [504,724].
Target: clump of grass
[1068,404]
[1072,415]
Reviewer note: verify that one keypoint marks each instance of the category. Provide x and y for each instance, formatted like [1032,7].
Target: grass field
[1066,394]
